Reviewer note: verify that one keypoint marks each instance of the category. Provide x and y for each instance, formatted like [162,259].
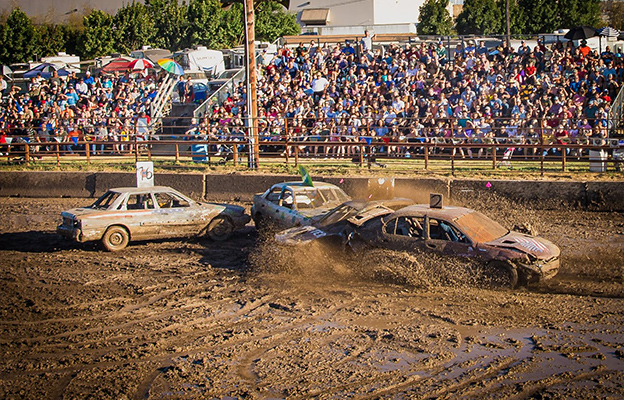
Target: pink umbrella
[140,63]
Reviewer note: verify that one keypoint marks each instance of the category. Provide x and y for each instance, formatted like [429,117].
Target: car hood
[315,213]
[533,245]
[81,211]
[299,235]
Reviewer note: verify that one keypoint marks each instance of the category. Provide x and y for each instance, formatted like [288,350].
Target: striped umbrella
[608,32]
[140,63]
[171,66]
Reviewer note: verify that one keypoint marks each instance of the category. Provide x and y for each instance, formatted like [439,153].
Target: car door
[445,238]
[140,215]
[286,210]
[178,216]
[403,233]
[268,205]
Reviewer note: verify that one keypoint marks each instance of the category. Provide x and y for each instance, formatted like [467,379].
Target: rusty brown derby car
[516,258]
[124,214]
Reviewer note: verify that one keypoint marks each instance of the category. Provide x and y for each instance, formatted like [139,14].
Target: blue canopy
[45,70]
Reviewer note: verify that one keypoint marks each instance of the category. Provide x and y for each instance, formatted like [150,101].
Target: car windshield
[479,227]
[339,214]
[315,197]
[105,201]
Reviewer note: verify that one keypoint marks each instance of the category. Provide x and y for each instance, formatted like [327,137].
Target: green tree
[579,12]
[49,39]
[72,33]
[134,27]
[204,17]
[517,18]
[615,14]
[233,22]
[171,23]
[18,38]
[272,22]
[480,17]
[97,39]
[434,18]
[541,16]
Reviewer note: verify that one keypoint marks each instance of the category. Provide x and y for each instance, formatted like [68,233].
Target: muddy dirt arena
[197,319]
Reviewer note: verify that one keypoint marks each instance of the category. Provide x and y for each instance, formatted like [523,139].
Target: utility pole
[252,98]
[508,24]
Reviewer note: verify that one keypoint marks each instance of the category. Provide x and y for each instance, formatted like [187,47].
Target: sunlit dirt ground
[197,319]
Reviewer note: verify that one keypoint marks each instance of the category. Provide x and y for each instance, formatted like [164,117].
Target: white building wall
[342,12]
[57,11]
[396,11]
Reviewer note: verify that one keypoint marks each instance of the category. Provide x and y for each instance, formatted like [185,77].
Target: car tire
[503,274]
[259,222]
[220,229]
[115,238]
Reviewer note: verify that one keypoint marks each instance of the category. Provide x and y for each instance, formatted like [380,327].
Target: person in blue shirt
[88,79]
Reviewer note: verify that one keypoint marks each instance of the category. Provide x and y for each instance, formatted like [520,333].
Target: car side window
[443,230]
[274,195]
[405,226]
[286,200]
[179,202]
[139,202]
[164,200]
[390,227]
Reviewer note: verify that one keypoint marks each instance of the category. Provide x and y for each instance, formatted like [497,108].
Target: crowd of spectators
[413,93]
[329,96]
[70,109]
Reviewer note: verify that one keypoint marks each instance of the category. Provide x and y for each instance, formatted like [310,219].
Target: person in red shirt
[584,48]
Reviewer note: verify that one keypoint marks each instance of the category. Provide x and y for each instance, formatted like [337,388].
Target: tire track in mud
[159,321]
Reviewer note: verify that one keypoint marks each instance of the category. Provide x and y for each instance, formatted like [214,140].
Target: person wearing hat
[584,48]
[470,47]
[523,49]
[348,49]
[88,79]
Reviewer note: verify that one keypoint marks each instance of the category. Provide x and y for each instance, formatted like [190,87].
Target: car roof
[447,212]
[301,185]
[142,189]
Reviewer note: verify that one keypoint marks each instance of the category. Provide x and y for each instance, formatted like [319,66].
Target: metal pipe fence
[601,156]
[294,140]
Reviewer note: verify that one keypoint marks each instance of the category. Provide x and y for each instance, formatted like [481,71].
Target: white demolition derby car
[125,214]
[295,203]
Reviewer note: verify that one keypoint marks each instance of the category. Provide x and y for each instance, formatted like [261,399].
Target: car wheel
[115,238]
[503,274]
[259,222]
[220,228]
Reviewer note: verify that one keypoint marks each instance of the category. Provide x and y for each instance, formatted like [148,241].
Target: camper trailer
[200,62]
[153,55]
[235,58]
[70,63]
